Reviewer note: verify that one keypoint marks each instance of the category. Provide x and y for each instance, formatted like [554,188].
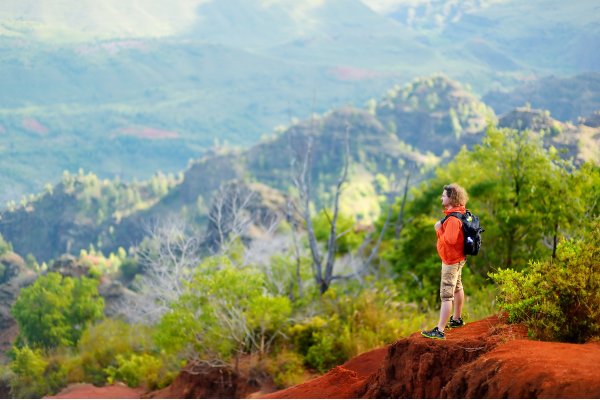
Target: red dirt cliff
[485,359]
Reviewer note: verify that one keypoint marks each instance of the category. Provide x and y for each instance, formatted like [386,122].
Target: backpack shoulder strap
[453,214]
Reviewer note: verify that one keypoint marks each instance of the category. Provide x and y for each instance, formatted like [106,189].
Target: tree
[300,166]
[223,314]
[168,256]
[55,310]
[229,216]
[526,196]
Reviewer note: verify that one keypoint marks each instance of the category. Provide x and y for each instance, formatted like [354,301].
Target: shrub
[352,323]
[286,369]
[330,346]
[140,370]
[28,368]
[319,341]
[102,343]
[558,299]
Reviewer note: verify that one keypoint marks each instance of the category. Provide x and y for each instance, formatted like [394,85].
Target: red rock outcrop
[485,359]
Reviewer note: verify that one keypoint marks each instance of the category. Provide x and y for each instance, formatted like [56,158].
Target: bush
[140,370]
[33,376]
[102,343]
[286,369]
[320,342]
[330,346]
[352,323]
[558,299]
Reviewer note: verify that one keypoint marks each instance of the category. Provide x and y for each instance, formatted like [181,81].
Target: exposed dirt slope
[485,359]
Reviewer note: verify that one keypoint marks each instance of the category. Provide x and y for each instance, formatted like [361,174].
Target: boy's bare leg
[445,310]
[459,300]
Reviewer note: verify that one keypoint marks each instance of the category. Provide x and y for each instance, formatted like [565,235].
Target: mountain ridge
[67,98]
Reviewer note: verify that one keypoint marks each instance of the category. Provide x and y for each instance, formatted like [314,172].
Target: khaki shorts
[451,280]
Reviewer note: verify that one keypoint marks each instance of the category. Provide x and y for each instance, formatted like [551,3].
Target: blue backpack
[471,230]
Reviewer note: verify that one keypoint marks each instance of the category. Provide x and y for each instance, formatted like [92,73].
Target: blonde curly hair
[457,194]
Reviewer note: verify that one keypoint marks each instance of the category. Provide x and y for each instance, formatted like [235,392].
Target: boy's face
[445,199]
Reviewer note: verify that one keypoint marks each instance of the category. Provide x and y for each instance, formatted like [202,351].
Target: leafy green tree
[55,310]
[101,343]
[525,195]
[222,314]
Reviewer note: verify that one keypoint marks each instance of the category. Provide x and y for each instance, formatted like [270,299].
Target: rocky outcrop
[530,369]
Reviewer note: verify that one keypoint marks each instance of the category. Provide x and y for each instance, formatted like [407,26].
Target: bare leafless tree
[229,216]
[168,256]
[297,255]
[300,166]
[301,177]
[400,220]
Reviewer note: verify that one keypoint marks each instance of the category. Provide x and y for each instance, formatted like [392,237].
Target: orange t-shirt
[450,238]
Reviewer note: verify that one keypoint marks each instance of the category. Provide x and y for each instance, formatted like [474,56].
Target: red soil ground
[87,391]
[485,359]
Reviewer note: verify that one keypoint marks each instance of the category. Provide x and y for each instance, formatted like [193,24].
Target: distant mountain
[511,35]
[567,99]
[378,144]
[128,89]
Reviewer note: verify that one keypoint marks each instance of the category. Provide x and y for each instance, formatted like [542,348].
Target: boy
[450,247]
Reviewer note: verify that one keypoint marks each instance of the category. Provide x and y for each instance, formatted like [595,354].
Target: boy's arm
[451,231]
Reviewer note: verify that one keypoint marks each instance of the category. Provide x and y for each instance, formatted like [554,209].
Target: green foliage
[558,299]
[223,313]
[33,376]
[55,310]
[353,322]
[329,347]
[100,345]
[105,199]
[130,268]
[95,260]
[414,258]
[139,370]
[286,368]
[318,341]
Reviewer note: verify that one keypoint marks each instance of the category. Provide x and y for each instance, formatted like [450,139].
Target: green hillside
[438,115]
[85,83]
[379,140]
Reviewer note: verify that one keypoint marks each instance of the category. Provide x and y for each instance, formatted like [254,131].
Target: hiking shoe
[435,333]
[455,323]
